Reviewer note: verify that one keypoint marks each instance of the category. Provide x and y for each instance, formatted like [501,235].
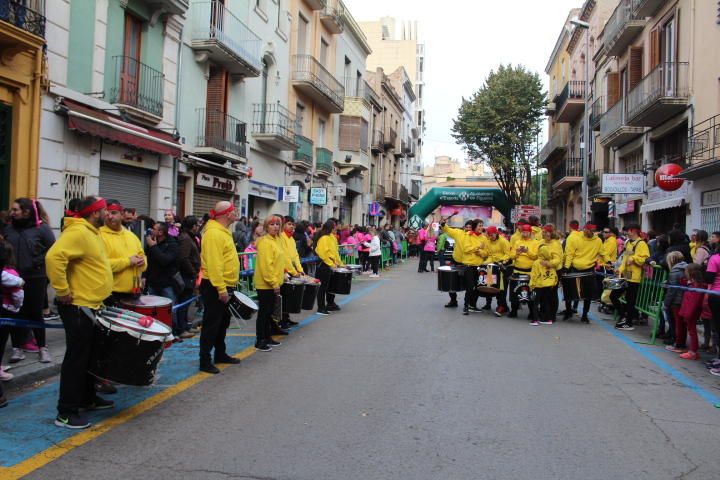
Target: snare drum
[340,281]
[159,308]
[579,284]
[125,352]
[450,279]
[309,294]
[292,296]
[355,269]
[521,283]
[242,306]
[489,279]
[615,283]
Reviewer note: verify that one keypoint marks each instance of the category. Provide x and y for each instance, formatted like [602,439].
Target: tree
[499,125]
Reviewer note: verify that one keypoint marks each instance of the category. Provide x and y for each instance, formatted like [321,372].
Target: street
[397,387]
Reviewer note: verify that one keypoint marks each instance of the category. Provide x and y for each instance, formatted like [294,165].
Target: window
[324,46]
[130,73]
[633,163]
[302,34]
[75,187]
[299,113]
[321,133]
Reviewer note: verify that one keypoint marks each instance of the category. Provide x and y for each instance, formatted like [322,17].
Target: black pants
[453,295]
[471,278]
[76,384]
[32,309]
[323,273]
[714,303]
[546,304]
[626,310]
[374,263]
[426,257]
[264,321]
[363,259]
[216,320]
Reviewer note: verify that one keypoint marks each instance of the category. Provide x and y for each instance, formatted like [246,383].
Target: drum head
[157,330]
[446,269]
[147,301]
[245,300]
[342,270]
[486,289]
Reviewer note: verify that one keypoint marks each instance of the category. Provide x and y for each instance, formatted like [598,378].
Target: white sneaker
[17,355]
[45,356]
[5,376]
[374,275]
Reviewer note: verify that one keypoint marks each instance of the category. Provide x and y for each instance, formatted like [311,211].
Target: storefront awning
[113,128]
[661,205]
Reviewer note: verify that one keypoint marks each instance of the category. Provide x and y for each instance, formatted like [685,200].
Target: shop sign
[657,194]
[215,182]
[624,208]
[711,197]
[263,190]
[666,177]
[524,212]
[291,194]
[318,196]
[340,190]
[623,183]
[374,209]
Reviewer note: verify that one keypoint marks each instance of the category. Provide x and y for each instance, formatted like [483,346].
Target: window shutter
[654,48]
[364,134]
[350,133]
[613,89]
[217,90]
[636,59]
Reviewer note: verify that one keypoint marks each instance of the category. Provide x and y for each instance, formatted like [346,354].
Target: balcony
[556,146]
[221,135]
[404,194]
[405,146]
[391,140]
[567,173]
[378,192]
[352,162]
[415,189]
[660,95]
[137,89]
[316,4]
[550,109]
[647,8]
[704,150]
[331,18]
[571,101]
[313,80]
[358,88]
[303,157]
[219,36]
[378,142]
[25,15]
[274,126]
[175,7]
[597,109]
[394,192]
[324,165]
[621,28]
[614,129]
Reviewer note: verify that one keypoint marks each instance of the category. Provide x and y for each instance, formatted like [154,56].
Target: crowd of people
[578,262]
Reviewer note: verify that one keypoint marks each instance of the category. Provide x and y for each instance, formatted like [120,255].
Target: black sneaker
[99,403]
[279,331]
[209,368]
[227,359]
[585,319]
[473,308]
[263,347]
[272,343]
[323,312]
[451,305]
[105,387]
[333,308]
[291,323]
[487,307]
[74,421]
[50,317]
[466,311]
[567,315]
[512,314]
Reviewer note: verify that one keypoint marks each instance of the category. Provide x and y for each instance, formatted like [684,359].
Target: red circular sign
[666,177]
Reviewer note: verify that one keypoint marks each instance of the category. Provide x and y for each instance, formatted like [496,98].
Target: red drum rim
[157,329]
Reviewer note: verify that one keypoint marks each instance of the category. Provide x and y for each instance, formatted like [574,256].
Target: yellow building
[22,37]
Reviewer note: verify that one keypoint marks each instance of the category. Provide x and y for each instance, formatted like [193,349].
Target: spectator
[173,226]
[679,243]
[240,234]
[673,297]
[189,266]
[162,253]
[702,248]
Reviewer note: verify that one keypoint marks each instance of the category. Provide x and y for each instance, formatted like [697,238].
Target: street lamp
[577,23]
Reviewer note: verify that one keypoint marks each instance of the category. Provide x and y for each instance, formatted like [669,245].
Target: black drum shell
[309,296]
[292,297]
[124,359]
[450,279]
[340,282]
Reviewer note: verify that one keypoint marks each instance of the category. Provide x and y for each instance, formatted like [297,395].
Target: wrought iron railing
[574,90]
[391,139]
[379,191]
[222,132]
[273,119]
[137,85]
[704,142]
[308,69]
[558,140]
[28,15]
[613,119]
[596,111]
[404,194]
[669,79]
[304,151]
[415,189]
[571,167]
[213,21]
[324,160]
[616,23]
[378,140]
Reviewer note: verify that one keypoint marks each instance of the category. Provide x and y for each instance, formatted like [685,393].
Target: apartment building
[108,119]
[22,77]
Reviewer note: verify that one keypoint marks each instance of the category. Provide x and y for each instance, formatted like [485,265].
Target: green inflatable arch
[438,196]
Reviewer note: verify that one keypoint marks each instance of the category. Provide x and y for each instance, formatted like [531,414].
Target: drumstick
[129,313]
[444,220]
[123,316]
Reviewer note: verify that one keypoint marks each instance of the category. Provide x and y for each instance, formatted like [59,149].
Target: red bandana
[98,205]
[214,214]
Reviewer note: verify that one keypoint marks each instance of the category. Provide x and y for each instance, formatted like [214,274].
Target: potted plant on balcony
[593,179]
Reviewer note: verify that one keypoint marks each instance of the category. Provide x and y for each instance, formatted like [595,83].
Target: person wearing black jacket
[162,254]
[189,266]
[31,238]
[678,243]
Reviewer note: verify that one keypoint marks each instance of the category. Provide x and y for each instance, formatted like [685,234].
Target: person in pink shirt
[712,277]
[428,241]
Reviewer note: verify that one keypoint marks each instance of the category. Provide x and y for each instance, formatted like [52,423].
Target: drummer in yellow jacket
[124,251]
[220,268]
[271,262]
[544,277]
[474,255]
[457,255]
[523,253]
[293,267]
[79,271]
[631,268]
[497,251]
[328,250]
[582,254]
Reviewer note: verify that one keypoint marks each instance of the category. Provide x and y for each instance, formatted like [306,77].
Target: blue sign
[374,209]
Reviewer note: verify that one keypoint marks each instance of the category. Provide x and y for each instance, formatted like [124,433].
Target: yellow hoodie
[582,252]
[636,252]
[120,246]
[328,250]
[218,257]
[497,251]
[540,276]
[473,247]
[537,233]
[270,263]
[458,235]
[78,265]
[292,257]
[524,260]
[609,251]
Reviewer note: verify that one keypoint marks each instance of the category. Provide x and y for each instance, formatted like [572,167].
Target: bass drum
[309,296]
[292,296]
[125,352]
[521,288]
[340,281]
[450,279]
[489,279]
[242,306]
[159,308]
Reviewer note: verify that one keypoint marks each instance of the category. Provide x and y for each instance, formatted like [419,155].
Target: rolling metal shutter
[129,185]
[205,200]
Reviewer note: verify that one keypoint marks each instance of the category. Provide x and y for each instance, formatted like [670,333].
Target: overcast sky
[464,40]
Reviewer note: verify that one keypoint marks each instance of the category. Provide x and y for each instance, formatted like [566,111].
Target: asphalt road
[397,387]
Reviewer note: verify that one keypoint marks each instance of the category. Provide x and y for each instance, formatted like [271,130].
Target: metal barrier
[404,249]
[650,297]
[349,254]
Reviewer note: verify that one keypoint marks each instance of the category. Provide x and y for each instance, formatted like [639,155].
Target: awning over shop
[113,128]
[661,205]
